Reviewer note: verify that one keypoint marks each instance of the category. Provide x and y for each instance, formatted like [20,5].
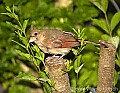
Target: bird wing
[59,39]
[66,40]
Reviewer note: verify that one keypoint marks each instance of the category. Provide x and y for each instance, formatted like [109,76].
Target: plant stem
[115,5]
[106,18]
[89,42]
[38,69]
[76,82]
[19,23]
[108,25]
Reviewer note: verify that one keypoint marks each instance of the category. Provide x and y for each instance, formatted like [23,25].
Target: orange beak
[32,39]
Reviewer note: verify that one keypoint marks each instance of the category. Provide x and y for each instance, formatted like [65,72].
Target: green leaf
[115,77]
[114,40]
[36,48]
[12,15]
[26,76]
[13,25]
[40,55]
[8,14]
[51,82]
[115,20]
[13,8]
[8,9]
[105,37]
[27,47]
[15,16]
[68,66]
[37,62]
[75,51]
[77,70]
[98,5]
[77,62]
[28,56]
[19,44]
[80,33]
[104,4]
[22,38]
[24,25]
[117,62]
[47,89]
[101,23]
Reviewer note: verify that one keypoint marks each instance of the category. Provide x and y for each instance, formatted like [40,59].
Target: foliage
[94,22]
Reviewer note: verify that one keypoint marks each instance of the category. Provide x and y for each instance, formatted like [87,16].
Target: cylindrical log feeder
[54,66]
[106,67]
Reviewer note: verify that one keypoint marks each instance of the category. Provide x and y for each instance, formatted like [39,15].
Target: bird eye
[35,33]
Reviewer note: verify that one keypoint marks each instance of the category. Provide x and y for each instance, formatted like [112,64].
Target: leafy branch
[104,24]
[36,57]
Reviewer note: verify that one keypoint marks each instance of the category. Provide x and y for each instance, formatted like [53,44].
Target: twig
[108,25]
[115,5]
[89,42]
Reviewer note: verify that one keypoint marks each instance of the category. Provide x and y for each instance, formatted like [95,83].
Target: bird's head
[36,35]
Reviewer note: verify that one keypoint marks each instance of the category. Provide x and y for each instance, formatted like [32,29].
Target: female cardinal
[53,41]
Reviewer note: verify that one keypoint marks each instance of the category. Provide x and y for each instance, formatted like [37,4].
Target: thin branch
[89,42]
[106,18]
[115,5]
[108,25]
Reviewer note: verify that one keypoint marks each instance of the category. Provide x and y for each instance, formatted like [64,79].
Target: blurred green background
[61,14]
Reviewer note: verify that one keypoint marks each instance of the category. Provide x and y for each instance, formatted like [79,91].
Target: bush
[93,20]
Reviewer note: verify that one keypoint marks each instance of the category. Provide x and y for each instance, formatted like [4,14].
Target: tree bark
[106,67]
[54,66]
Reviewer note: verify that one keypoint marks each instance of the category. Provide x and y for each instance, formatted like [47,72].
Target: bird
[56,42]
[53,41]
